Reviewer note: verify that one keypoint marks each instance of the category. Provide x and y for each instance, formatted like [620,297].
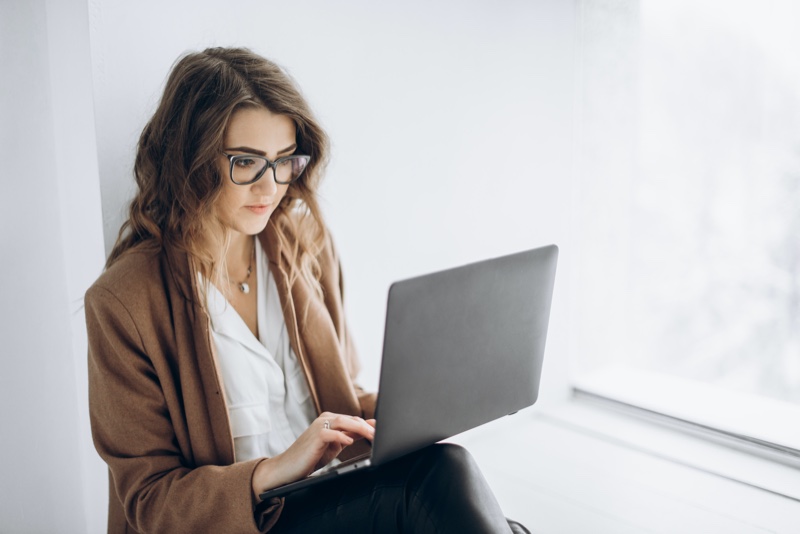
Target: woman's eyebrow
[257,152]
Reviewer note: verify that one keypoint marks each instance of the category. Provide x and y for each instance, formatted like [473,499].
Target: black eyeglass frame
[232,158]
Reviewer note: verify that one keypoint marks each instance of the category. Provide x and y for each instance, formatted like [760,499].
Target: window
[689,211]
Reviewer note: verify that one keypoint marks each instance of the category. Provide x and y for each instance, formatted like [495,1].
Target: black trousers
[438,489]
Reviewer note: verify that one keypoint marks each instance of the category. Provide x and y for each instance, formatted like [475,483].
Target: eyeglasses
[247,169]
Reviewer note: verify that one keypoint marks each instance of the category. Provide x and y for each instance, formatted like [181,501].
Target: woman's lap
[437,489]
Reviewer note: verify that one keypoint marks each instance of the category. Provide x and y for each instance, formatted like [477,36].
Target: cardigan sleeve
[132,431]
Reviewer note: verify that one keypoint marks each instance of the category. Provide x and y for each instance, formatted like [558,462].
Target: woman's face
[245,209]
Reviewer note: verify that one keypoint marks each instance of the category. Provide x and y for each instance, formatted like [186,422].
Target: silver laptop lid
[462,347]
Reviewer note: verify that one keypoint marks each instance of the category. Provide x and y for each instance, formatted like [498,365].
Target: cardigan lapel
[313,335]
[192,331]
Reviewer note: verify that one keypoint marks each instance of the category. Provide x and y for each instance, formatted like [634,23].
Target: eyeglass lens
[246,169]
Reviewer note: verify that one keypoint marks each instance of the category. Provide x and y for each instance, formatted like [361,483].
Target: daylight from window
[693,224]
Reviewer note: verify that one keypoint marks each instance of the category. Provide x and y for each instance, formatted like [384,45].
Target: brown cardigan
[158,412]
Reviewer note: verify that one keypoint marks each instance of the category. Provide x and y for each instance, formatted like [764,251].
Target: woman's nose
[266,185]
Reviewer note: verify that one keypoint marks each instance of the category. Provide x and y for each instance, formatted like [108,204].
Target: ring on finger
[326,425]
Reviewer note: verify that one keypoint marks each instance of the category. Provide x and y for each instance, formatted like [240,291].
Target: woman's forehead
[260,129]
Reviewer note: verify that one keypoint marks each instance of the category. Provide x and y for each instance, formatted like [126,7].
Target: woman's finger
[356,427]
[330,435]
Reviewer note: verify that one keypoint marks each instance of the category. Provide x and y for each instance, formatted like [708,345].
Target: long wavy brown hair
[178,179]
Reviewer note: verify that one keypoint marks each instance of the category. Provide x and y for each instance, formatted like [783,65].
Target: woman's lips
[259,209]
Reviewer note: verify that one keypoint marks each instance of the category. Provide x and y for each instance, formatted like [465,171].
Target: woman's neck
[239,255]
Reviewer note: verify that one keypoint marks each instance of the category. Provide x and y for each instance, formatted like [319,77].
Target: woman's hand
[327,436]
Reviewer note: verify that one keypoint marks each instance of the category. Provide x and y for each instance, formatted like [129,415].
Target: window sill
[747,418]
[682,443]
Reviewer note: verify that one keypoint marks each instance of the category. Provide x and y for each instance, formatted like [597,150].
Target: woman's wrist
[264,477]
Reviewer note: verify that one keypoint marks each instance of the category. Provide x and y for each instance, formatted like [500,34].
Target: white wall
[451,124]
[52,249]
[452,133]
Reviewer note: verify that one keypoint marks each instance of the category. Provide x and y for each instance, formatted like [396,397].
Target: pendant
[244,287]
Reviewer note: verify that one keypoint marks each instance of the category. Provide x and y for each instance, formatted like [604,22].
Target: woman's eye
[245,162]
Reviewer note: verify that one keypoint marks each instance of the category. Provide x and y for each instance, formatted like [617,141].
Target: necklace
[244,287]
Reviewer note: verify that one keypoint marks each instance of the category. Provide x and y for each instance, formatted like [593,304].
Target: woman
[220,361]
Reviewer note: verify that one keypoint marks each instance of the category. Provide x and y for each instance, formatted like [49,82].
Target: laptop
[462,347]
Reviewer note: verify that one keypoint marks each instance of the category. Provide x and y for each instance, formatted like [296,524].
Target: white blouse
[269,403]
